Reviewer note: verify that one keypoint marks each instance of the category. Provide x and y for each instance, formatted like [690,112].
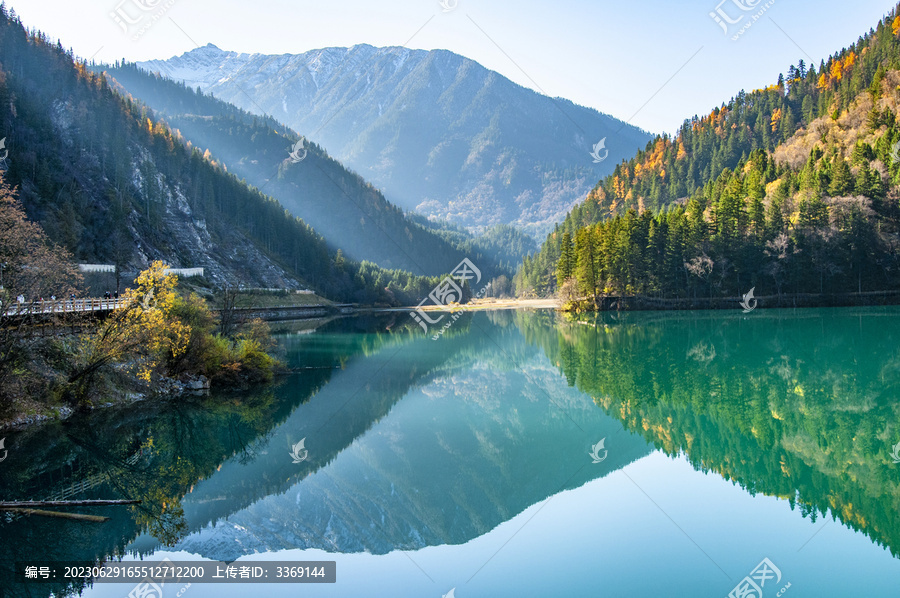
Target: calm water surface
[466,463]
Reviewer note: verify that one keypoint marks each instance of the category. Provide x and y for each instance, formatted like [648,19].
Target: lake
[522,453]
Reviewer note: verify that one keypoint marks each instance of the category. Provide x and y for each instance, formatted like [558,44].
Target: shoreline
[481,305]
[620,303]
[610,303]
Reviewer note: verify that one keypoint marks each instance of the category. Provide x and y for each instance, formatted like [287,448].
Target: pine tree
[841,179]
[586,263]
[813,212]
[868,182]
[757,217]
[775,215]
[808,109]
[731,212]
[565,268]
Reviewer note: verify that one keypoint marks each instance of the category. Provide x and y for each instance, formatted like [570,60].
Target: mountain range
[436,132]
[349,212]
[113,184]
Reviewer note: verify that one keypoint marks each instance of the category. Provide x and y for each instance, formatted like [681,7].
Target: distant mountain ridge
[437,132]
[351,214]
[112,184]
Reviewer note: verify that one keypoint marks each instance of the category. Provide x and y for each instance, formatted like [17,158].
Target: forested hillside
[437,132]
[504,244]
[113,185]
[791,188]
[351,214]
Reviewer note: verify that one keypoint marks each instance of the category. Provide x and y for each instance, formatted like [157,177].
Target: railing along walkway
[60,306]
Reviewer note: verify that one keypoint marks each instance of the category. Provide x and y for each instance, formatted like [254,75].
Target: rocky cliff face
[229,260]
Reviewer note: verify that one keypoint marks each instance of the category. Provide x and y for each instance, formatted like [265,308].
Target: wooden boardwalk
[63,306]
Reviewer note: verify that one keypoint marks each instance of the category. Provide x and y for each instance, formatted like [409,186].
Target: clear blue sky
[629,59]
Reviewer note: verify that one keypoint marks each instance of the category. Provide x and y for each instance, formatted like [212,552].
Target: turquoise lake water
[520,454]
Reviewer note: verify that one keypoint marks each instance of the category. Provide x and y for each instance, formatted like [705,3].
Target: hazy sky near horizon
[651,63]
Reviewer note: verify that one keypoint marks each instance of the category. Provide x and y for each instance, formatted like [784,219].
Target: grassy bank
[258,298]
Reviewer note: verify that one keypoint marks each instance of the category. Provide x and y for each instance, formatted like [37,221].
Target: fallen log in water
[59,514]
[7,505]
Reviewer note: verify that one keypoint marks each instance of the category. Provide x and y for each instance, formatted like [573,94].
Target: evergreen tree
[775,214]
[586,262]
[565,268]
[868,182]
[813,212]
[842,182]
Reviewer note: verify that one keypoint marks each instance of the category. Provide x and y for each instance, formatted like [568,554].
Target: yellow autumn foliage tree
[149,316]
[776,118]
[142,334]
[836,71]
